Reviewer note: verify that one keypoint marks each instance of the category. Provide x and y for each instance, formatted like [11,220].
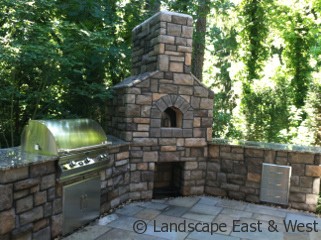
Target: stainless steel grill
[81,145]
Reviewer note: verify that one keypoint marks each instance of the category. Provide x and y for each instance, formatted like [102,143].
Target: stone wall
[115,178]
[30,202]
[235,172]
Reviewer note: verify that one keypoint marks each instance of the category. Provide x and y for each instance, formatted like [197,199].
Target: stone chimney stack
[163,42]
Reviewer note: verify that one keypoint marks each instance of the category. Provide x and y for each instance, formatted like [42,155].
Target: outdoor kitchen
[157,143]
[65,174]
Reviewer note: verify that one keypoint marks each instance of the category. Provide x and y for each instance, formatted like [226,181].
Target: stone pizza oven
[163,110]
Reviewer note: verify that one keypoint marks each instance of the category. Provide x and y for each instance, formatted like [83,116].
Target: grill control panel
[86,161]
[83,162]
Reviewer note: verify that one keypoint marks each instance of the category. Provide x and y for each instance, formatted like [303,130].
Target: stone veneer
[30,205]
[235,171]
[162,47]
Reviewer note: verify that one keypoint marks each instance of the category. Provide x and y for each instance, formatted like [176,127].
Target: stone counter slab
[14,158]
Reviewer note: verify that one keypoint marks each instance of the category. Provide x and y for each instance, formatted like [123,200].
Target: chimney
[163,42]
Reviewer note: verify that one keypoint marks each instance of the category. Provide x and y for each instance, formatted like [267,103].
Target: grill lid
[54,137]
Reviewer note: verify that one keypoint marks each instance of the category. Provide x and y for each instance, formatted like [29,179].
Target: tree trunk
[203,10]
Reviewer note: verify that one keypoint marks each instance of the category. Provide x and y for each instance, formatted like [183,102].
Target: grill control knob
[87,160]
[72,164]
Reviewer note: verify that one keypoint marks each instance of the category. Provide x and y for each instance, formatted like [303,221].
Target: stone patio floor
[201,218]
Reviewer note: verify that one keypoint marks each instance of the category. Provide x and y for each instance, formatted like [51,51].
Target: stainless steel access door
[275,183]
[81,203]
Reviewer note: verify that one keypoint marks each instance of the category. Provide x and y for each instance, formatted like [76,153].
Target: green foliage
[59,58]
[224,52]
[299,36]
[255,22]
[276,106]
[318,209]
[255,51]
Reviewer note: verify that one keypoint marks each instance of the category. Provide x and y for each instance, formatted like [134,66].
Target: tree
[56,55]
[222,49]
[202,11]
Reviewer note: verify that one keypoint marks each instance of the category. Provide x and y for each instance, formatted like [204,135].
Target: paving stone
[123,222]
[236,213]
[184,202]
[153,205]
[175,211]
[199,217]
[129,210]
[107,219]
[157,232]
[209,201]
[315,235]
[238,205]
[160,219]
[265,217]
[265,210]
[123,234]
[224,218]
[303,218]
[89,232]
[148,214]
[195,213]
[296,236]
[206,209]
[257,223]
[208,236]
[264,235]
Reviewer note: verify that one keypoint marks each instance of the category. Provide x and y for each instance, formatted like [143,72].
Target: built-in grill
[81,145]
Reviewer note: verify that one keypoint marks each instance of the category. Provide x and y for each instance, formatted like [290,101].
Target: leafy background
[59,59]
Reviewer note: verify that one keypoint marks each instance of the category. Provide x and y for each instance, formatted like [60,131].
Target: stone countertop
[268,146]
[116,142]
[15,158]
